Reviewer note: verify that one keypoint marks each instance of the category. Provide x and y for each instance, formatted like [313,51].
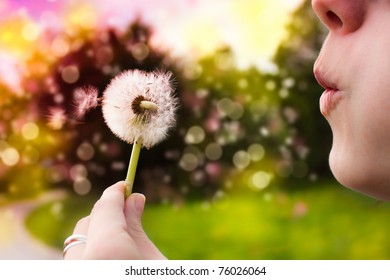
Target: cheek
[360,155]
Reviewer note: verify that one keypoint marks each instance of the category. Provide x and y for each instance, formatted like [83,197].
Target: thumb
[134,208]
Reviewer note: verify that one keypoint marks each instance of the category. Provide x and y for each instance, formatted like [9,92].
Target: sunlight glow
[253,30]
[81,17]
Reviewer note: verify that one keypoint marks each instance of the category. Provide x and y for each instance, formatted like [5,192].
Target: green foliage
[295,59]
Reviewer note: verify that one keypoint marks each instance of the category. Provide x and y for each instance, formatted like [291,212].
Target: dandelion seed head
[57,118]
[140,105]
[85,99]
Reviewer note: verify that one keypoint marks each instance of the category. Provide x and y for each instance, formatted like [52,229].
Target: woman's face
[354,68]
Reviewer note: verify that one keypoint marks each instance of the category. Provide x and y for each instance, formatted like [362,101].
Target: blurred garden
[243,175]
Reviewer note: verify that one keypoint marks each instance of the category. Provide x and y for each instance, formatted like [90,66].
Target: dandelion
[85,99]
[139,105]
[57,118]
[139,108]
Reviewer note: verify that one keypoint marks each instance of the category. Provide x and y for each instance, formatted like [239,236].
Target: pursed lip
[322,81]
[331,96]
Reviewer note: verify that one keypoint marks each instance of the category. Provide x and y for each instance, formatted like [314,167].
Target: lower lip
[329,100]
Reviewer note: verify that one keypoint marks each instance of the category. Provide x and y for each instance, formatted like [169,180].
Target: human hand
[114,230]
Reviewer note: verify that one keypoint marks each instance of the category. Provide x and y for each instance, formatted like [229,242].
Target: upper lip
[323,81]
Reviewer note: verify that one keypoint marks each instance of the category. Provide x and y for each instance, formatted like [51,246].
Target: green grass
[54,221]
[316,223]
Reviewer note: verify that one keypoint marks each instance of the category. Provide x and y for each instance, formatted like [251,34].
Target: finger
[81,228]
[134,208]
[108,210]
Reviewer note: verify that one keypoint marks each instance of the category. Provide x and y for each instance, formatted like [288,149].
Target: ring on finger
[73,240]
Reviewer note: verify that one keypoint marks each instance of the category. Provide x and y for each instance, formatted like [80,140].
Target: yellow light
[203,37]
[30,32]
[82,17]
[10,156]
[262,26]
[17,37]
[261,180]
[30,131]
[7,225]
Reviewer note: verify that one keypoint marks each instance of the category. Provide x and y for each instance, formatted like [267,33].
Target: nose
[344,16]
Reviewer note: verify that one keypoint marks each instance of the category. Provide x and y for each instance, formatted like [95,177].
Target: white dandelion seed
[57,118]
[85,99]
[139,106]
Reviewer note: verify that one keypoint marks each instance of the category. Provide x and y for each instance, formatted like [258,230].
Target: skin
[355,60]
[114,229]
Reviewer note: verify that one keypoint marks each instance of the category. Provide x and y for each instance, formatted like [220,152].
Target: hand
[114,229]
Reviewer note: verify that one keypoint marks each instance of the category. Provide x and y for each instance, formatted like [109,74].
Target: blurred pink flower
[139,105]
[300,209]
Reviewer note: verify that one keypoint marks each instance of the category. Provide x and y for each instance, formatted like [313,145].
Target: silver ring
[73,240]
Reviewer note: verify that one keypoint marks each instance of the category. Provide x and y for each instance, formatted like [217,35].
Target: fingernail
[139,203]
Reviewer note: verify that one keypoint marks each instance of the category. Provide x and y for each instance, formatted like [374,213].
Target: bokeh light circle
[195,135]
[30,131]
[10,156]
[213,151]
[256,152]
[241,159]
[260,180]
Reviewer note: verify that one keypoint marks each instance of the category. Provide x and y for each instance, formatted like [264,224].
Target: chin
[359,175]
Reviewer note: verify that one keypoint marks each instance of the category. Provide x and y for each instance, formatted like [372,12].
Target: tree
[295,58]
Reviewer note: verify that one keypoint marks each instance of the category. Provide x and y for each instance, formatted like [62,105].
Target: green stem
[132,168]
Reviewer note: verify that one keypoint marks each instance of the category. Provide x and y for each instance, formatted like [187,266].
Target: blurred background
[244,175]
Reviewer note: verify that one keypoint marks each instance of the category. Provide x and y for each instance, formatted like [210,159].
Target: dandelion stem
[132,167]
